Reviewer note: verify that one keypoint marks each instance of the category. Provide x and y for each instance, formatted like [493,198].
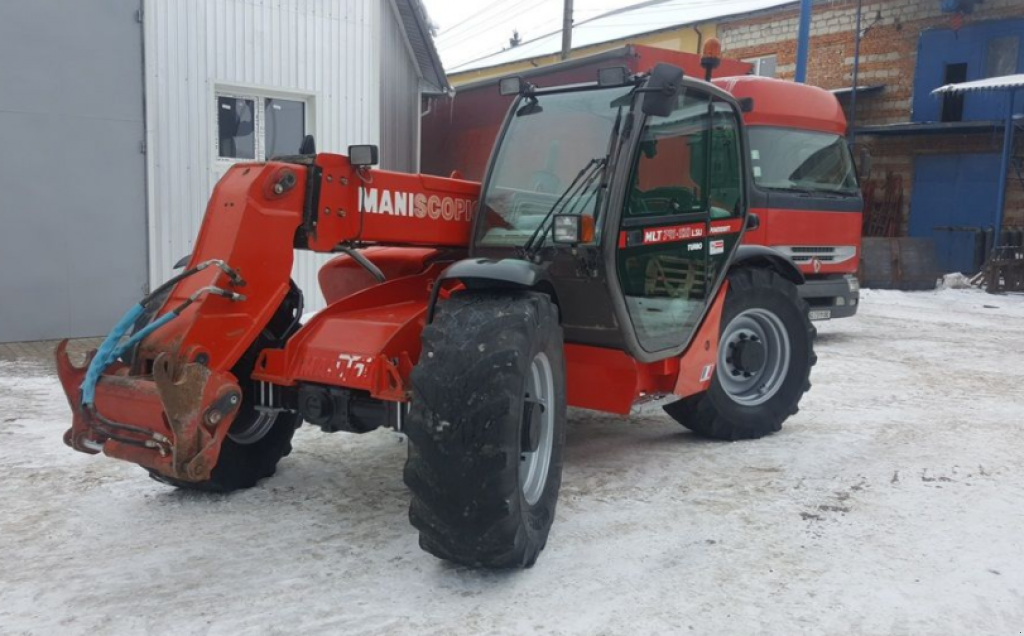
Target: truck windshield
[552,153]
[801,161]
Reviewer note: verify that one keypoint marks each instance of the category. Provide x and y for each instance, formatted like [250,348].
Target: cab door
[683,215]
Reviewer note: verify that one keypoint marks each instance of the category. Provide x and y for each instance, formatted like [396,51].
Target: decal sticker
[717,247]
[729,227]
[416,205]
[694,247]
[672,234]
[705,373]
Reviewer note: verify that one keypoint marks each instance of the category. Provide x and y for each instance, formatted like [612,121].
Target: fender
[761,256]
[484,273]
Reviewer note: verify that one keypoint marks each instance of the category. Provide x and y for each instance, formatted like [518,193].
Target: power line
[471,17]
[468,57]
[501,18]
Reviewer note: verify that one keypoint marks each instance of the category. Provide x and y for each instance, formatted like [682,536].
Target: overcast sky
[469,29]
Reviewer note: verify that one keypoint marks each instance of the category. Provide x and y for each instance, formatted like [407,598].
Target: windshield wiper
[808,191]
[584,179]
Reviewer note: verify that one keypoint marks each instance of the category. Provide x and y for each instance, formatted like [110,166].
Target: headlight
[853,283]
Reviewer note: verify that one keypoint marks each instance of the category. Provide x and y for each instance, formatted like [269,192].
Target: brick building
[945,150]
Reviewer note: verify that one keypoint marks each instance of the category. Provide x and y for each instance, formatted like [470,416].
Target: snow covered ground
[892,504]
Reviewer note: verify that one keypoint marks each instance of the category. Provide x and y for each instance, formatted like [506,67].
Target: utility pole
[803,41]
[567,30]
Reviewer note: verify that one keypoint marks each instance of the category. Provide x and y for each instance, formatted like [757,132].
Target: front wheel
[765,355]
[486,429]
[259,438]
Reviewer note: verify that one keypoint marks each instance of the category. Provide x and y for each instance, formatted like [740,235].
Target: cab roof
[788,104]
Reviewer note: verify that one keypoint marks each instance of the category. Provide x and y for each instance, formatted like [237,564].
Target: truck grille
[802,254]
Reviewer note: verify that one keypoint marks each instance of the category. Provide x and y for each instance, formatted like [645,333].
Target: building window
[1002,56]
[254,127]
[285,126]
[236,128]
[764,66]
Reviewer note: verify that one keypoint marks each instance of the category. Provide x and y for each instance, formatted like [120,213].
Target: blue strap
[142,333]
[106,354]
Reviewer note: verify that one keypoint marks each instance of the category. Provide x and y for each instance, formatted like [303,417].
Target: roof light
[613,76]
[510,85]
[711,57]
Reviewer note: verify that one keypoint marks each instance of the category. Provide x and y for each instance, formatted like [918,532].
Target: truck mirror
[363,156]
[753,221]
[866,162]
[862,160]
[662,89]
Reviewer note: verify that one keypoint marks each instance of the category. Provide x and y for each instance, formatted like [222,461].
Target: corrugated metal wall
[330,50]
[399,97]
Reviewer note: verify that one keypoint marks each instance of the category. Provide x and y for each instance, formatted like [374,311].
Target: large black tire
[465,428]
[243,465]
[731,414]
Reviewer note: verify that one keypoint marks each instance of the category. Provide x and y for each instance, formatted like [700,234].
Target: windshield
[802,161]
[552,153]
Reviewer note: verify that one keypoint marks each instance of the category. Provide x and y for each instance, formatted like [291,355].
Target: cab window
[682,218]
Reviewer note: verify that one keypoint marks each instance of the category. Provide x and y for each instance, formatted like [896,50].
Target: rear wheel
[486,429]
[765,355]
[259,438]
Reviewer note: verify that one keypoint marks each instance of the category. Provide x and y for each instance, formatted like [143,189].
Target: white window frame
[759,60]
[259,95]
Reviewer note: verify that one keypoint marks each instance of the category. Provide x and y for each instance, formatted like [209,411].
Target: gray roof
[417,29]
[1007,82]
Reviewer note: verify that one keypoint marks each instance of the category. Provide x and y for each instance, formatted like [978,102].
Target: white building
[117,117]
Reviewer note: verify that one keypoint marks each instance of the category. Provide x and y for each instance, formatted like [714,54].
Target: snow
[624,23]
[890,504]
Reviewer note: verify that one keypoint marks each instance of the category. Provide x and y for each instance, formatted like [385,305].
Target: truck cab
[803,186]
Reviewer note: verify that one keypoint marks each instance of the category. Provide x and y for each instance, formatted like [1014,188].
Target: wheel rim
[262,421]
[534,466]
[753,357]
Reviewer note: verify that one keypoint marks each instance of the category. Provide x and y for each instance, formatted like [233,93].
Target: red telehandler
[468,316]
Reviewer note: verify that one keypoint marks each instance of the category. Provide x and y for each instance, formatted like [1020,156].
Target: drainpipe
[700,40]
[856,72]
[803,41]
[1004,165]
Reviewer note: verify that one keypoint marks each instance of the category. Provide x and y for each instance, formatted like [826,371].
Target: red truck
[803,183]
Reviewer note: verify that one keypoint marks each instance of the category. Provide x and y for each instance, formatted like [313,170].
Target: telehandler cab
[597,266]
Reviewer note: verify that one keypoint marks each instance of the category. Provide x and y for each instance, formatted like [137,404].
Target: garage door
[72,172]
[953,196]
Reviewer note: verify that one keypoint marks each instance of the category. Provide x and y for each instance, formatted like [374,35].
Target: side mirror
[865,164]
[363,156]
[862,161]
[573,229]
[753,221]
[662,89]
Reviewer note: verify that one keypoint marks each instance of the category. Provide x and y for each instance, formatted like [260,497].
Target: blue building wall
[941,47]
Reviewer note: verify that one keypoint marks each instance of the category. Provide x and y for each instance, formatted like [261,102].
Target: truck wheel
[253,446]
[765,355]
[486,429]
